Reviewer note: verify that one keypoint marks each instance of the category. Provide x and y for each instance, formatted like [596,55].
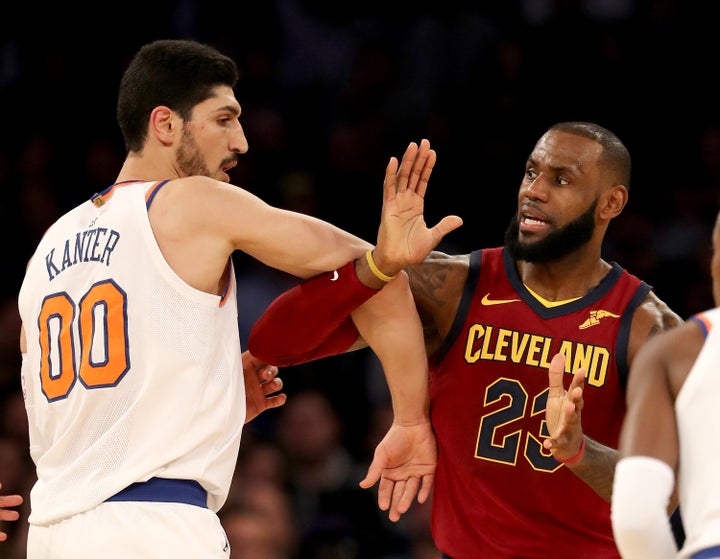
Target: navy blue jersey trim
[155,190]
[160,490]
[592,296]
[623,338]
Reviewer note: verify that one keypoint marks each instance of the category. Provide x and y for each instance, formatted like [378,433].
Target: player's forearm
[311,320]
[389,323]
[597,467]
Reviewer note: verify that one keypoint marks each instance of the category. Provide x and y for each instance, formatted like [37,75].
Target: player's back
[698,424]
[129,373]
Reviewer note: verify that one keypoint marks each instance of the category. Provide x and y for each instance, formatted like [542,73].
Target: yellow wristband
[375,270]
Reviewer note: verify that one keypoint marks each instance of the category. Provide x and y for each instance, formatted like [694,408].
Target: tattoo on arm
[426,280]
[665,317]
[597,468]
[431,285]
[670,319]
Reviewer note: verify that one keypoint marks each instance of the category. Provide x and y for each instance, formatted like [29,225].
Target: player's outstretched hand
[404,462]
[403,236]
[261,386]
[6,515]
[563,410]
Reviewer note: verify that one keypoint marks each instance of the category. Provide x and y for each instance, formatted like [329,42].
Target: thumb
[373,474]
[445,225]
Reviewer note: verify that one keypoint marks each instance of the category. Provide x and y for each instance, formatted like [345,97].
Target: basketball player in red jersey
[494,319]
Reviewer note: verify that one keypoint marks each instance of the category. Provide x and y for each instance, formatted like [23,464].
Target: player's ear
[163,124]
[612,201]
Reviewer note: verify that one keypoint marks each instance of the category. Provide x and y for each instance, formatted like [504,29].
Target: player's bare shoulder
[437,285]
[439,277]
[195,204]
[663,317]
[175,207]
[651,317]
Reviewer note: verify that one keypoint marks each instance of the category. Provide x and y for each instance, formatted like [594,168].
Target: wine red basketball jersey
[498,492]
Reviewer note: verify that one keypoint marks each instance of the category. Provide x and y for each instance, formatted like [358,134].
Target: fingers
[398,493]
[426,489]
[414,170]
[398,496]
[397,505]
[266,373]
[578,380]
[407,165]
[385,492]
[10,501]
[556,371]
[423,175]
[270,387]
[389,188]
[422,166]
[275,401]
[271,393]
[9,515]
[404,494]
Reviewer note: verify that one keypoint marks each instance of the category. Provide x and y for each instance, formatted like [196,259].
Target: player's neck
[562,280]
[142,167]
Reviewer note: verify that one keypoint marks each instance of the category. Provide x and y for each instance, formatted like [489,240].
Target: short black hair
[615,156]
[172,72]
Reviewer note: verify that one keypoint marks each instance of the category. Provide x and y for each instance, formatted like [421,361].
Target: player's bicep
[296,243]
[437,286]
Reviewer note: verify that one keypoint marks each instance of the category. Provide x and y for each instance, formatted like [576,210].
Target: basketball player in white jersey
[132,371]
[670,441]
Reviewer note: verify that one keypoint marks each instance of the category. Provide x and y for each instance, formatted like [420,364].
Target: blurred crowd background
[329,92]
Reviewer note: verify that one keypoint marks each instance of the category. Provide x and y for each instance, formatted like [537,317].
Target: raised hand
[404,462]
[403,236]
[563,410]
[261,386]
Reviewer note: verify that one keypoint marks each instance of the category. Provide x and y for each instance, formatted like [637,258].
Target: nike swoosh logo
[489,302]
[335,276]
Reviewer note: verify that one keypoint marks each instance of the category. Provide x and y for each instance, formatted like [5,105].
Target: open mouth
[532,221]
[229,165]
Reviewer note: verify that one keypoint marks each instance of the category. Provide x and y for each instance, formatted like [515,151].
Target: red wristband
[576,457]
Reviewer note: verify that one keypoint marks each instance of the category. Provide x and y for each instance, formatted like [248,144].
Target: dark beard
[189,158]
[557,244]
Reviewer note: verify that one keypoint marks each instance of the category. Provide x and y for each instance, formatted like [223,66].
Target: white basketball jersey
[130,373]
[698,417]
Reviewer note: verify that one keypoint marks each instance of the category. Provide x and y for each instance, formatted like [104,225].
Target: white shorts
[132,530]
